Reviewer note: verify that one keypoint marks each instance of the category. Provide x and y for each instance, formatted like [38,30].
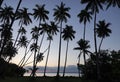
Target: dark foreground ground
[44,79]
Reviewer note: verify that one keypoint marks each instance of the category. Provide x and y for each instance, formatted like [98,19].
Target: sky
[112,15]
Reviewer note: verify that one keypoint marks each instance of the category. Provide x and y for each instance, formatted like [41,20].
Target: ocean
[54,74]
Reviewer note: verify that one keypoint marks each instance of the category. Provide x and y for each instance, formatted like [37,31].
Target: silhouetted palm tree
[83,46]
[61,14]
[40,13]
[6,14]
[94,6]
[35,35]
[68,34]
[44,29]
[24,19]
[22,42]
[103,31]
[6,36]
[53,29]
[84,17]
[113,3]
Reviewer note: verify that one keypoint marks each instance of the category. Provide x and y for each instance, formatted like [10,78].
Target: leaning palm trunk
[26,52]
[65,58]
[47,58]
[17,36]
[58,70]
[15,13]
[41,43]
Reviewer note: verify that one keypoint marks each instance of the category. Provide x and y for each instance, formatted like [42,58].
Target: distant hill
[69,69]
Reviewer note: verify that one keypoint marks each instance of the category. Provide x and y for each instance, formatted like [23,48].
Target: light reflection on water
[53,74]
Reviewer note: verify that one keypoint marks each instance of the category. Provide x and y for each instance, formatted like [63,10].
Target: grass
[44,79]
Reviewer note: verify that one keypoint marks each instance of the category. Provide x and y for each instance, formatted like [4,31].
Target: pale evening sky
[111,15]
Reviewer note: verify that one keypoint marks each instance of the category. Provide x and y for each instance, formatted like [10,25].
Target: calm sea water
[54,74]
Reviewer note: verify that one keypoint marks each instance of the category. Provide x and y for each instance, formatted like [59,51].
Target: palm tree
[24,19]
[44,29]
[40,13]
[61,14]
[83,46]
[94,6]
[22,42]
[50,39]
[113,3]
[68,34]
[6,14]
[53,29]
[34,46]
[84,16]
[103,31]
[6,36]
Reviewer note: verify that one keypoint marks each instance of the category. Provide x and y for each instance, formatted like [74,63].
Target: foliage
[109,66]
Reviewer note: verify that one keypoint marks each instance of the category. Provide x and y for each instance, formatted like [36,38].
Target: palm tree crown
[113,3]
[23,16]
[6,14]
[82,45]
[68,33]
[84,16]
[103,30]
[94,5]
[61,13]
[40,13]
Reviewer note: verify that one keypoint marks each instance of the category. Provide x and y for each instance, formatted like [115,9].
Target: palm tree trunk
[84,31]
[15,13]
[95,41]
[34,61]
[100,44]
[65,58]
[41,43]
[58,70]
[17,36]
[47,58]
[1,1]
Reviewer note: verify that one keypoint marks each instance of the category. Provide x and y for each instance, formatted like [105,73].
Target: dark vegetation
[102,65]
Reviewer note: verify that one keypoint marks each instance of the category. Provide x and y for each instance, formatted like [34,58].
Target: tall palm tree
[103,31]
[68,34]
[34,46]
[84,16]
[53,29]
[44,29]
[61,15]
[83,46]
[50,38]
[24,19]
[94,6]
[113,3]
[41,14]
